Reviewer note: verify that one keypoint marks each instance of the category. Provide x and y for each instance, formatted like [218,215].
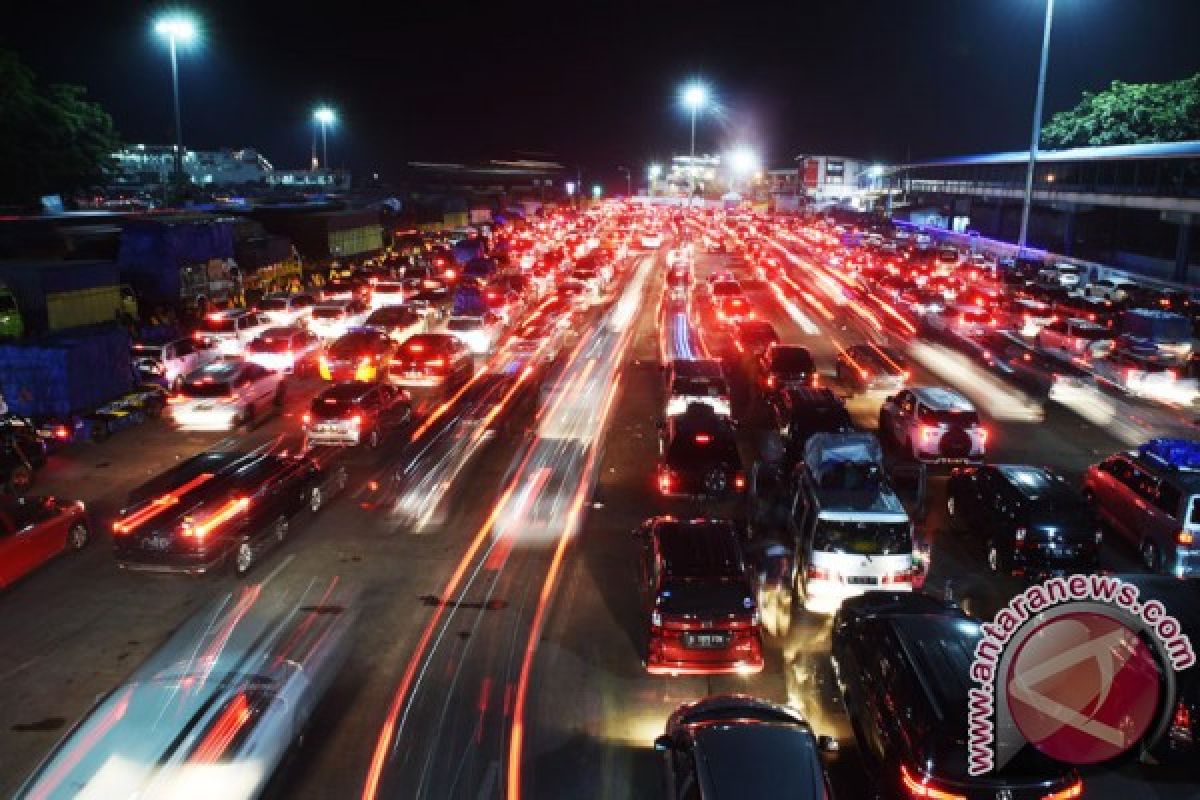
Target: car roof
[941,399]
[941,649]
[758,759]
[283,330]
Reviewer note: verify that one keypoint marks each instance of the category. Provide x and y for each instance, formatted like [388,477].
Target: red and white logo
[1084,688]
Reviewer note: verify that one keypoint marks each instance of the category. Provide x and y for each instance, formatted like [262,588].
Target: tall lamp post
[177,28]
[628,180]
[695,99]
[325,116]
[1036,138]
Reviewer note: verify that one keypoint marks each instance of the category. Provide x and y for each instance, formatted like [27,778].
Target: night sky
[595,83]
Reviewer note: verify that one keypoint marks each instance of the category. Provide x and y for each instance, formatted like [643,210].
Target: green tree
[52,139]
[1130,113]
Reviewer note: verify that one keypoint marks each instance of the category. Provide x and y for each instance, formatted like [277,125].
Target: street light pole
[1036,137]
[325,143]
[178,123]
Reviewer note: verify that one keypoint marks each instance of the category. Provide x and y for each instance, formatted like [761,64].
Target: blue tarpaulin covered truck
[173,259]
[57,295]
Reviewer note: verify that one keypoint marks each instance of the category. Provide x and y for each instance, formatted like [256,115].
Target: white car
[398,322]
[933,424]
[479,334]
[1076,337]
[226,394]
[1113,289]
[287,309]
[389,293]
[286,349]
[233,330]
[697,381]
[333,318]
[167,363]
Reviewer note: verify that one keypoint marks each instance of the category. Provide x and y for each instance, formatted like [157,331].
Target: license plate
[204,407]
[414,373]
[706,641]
[862,580]
[156,543]
[327,428]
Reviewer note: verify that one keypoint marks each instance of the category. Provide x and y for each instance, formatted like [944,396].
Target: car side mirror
[663,744]
[827,744]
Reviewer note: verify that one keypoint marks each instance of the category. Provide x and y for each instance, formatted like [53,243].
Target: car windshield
[274,304]
[862,538]
[353,344]
[464,324]
[704,596]
[148,351]
[699,386]
[394,316]
[271,344]
[328,312]
[388,288]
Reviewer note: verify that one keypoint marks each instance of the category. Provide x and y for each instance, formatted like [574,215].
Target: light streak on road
[798,316]
[989,392]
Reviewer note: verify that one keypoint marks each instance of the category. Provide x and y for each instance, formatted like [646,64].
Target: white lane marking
[288,559]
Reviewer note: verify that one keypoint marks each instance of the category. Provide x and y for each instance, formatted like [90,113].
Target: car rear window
[271,344]
[464,324]
[699,387]
[704,596]
[328,312]
[274,304]
[219,325]
[862,538]
[352,344]
[333,405]
[791,359]
[206,389]
[965,419]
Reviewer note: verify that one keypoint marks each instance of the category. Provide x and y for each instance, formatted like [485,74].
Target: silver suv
[933,424]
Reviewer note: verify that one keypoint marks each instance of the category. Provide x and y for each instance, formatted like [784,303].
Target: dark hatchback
[734,746]
[903,661]
[699,455]
[1026,520]
[219,507]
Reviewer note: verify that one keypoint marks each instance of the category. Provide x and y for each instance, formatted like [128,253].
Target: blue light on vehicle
[1181,454]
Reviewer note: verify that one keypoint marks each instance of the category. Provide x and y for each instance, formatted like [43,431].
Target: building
[825,181]
[150,166]
[710,176]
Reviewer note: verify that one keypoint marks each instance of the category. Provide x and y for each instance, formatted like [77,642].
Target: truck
[179,259]
[43,296]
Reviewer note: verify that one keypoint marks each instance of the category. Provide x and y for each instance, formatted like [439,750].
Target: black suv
[1026,520]
[800,413]
[903,661]
[699,455]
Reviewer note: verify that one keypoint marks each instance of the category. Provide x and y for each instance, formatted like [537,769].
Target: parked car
[34,530]
[165,364]
[356,412]
[933,424]
[1024,520]
[1151,498]
[704,752]
[220,508]
[360,354]
[698,594]
[225,394]
[902,662]
[233,330]
[288,350]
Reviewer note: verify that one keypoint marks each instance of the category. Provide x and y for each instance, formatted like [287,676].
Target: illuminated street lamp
[654,171]
[178,29]
[324,117]
[597,190]
[570,187]
[695,99]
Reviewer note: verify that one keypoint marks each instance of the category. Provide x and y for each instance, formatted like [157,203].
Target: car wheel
[373,438]
[78,536]
[1150,556]
[20,478]
[243,557]
[281,529]
[315,499]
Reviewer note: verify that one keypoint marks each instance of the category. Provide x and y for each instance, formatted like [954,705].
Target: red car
[34,530]
[699,594]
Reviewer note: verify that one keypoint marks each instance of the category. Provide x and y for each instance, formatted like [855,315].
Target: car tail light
[903,576]
[816,379]
[449,274]
[925,432]
[364,362]
[666,481]
[1185,537]
[61,433]
[983,434]
[356,420]
[820,574]
[435,363]
[921,788]
[416,347]
[306,419]
[1019,536]
[324,363]
[739,481]
[1181,723]
[772,381]
[1073,791]
[656,618]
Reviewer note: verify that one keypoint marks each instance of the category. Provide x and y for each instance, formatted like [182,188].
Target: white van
[850,531]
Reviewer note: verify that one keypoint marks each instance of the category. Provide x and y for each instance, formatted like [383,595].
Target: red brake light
[436,363]
[664,481]
[921,789]
[62,433]
[416,347]
[356,420]
[703,438]
[307,418]
[1072,792]
[739,481]
[819,574]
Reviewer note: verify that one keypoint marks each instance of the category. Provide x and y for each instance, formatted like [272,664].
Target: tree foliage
[52,139]
[1129,113]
